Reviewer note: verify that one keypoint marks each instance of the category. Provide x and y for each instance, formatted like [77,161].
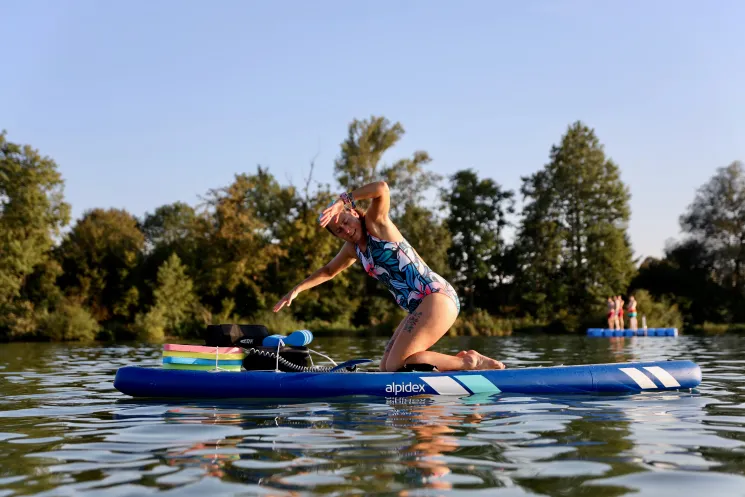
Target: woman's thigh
[422,328]
[390,343]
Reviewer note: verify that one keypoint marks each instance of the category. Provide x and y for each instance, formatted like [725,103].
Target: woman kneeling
[385,254]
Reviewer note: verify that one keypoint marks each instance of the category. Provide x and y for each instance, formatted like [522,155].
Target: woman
[611,313]
[431,301]
[619,312]
[632,313]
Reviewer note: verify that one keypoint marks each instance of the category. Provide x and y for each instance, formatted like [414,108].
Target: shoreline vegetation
[113,276]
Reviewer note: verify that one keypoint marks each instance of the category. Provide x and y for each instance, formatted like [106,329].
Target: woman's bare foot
[474,360]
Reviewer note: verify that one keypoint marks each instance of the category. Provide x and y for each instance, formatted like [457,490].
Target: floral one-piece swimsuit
[398,266]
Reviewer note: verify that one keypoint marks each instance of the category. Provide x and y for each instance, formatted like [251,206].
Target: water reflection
[66,431]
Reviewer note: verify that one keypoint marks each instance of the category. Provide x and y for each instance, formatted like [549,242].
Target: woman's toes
[470,361]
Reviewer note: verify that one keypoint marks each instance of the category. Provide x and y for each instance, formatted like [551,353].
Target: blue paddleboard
[632,377]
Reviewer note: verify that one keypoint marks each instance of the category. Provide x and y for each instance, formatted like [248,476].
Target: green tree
[32,213]
[684,276]
[362,151]
[572,244]
[174,294]
[271,201]
[169,225]
[716,218]
[538,251]
[233,248]
[100,258]
[477,218]
[360,162]
[174,306]
[169,230]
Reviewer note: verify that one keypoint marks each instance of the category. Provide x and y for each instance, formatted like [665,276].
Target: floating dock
[649,332]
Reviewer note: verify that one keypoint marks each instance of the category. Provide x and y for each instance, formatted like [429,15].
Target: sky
[145,103]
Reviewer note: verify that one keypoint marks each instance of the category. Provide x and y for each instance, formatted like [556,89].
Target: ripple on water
[174,433]
[671,483]
[66,431]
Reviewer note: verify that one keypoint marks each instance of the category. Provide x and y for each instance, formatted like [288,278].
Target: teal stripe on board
[478,384]
[200,362]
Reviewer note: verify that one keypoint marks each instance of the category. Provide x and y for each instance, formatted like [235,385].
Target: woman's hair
[360,213]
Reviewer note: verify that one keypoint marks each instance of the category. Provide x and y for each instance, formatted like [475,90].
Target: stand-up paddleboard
[155,382]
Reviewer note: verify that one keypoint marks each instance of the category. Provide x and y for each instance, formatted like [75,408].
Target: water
[65,431]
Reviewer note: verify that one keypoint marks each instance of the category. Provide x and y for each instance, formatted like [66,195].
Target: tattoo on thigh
[389,345]
[411,321]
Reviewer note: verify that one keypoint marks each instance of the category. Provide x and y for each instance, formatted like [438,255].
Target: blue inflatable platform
[155,382]
[649,332]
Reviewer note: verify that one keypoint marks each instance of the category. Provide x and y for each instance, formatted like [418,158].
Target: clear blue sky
[144,103]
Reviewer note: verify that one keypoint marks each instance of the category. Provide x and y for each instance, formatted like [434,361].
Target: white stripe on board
[666,378]
[444,385]
[640,378]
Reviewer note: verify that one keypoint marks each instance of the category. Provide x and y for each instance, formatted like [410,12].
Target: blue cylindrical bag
[299,338]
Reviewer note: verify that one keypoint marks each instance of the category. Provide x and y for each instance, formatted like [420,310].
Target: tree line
[115,276]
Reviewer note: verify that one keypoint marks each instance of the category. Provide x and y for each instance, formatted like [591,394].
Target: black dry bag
[235,335]
[291,359]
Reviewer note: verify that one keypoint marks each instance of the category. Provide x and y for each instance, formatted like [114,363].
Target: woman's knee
[386,364]
[393,364]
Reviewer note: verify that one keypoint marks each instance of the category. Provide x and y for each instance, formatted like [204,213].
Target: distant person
[619,311]
[632,312]
[611,313]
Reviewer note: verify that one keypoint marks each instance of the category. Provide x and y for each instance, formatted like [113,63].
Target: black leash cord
[286,363]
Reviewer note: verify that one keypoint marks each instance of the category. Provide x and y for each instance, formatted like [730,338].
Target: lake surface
[65,430]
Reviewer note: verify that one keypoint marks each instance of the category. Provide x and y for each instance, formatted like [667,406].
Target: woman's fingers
[279,305]
[330,212]
[287,299]
[325,218]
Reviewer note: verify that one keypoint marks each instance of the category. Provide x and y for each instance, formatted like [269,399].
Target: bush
[564,322]
[150,327]
[280,323]
[659,314]
[480,322]
[69,322]
[716,328]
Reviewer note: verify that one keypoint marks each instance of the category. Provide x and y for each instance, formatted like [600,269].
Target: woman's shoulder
[383,229]
[350,249]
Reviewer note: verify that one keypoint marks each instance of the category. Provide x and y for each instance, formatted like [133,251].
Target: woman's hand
[331,212]
[287,299]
